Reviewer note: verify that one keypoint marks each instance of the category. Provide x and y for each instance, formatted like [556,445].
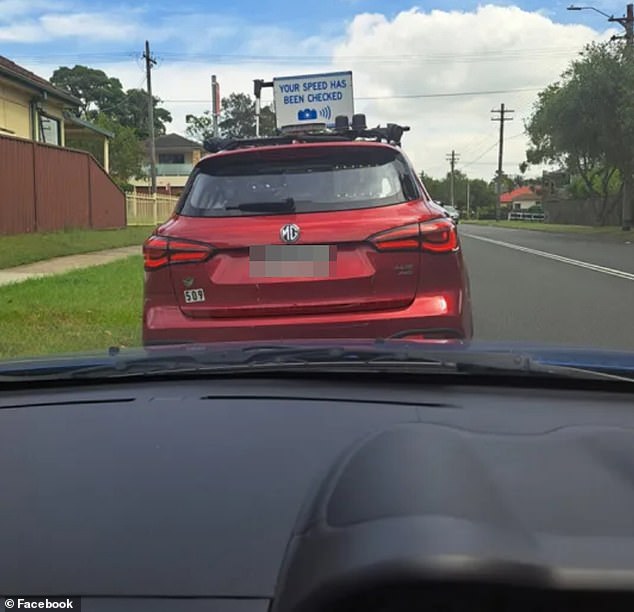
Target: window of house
[171,158]
[50,130]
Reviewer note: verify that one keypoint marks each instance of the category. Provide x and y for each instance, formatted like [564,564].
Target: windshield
[254,173]
[321,180]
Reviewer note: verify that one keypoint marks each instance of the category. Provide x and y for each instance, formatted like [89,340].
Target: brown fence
[44,188]
[144,209]
[582,212]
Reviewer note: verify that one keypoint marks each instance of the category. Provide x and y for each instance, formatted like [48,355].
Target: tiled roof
[175,141]
[521,193]
[12,70]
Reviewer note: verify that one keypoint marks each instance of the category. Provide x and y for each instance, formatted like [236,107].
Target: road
[559,289]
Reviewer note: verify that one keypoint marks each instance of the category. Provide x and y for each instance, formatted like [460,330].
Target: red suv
[305,238]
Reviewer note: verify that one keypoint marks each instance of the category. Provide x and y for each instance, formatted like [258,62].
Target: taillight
[404,238]
[159,251]
[438,236]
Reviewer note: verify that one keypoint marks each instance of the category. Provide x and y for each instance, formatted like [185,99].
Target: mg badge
[290,233]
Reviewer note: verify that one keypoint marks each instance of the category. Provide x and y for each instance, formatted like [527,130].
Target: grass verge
[83,310]
[28,248]
[608,232]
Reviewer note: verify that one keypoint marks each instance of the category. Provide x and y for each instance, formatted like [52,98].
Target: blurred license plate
[292,260]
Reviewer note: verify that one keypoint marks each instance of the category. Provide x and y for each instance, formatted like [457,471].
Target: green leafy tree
[101,94]
[134,113]
[126,151]
[481,194]
[583,123]
[199,127]
[237,120]
[105,103]
[97,91]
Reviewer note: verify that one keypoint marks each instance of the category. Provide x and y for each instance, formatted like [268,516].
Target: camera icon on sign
[308,114]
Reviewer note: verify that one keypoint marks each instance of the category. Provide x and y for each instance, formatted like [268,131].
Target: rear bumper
[446,315]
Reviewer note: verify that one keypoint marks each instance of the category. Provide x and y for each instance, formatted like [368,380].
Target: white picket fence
[144,209]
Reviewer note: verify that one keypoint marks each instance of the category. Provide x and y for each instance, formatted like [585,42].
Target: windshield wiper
[383,356]
[287,205]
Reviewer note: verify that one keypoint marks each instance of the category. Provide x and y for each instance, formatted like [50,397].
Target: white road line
[567,260]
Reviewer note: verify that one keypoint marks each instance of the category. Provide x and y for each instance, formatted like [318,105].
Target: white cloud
[96,26]
[91,27]
[491,48]
[21,33]
[9,9]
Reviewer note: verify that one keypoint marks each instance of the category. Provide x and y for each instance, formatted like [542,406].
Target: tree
[583,123]
[97,91]
[127,155]
[134,113]
[126,151]
[481,194]
[105,103]
[237,120]
[101,94]
[199,127]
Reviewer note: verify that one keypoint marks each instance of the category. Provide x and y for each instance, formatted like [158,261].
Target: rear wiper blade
[273,206]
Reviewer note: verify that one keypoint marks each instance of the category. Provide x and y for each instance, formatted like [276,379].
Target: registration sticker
[194,295]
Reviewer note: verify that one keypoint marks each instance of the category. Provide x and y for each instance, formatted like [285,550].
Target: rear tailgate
[259,267]
[332,268]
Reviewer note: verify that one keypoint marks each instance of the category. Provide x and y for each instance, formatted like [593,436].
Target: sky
[439,67]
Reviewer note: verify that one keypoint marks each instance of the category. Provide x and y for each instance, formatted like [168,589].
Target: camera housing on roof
[344,130]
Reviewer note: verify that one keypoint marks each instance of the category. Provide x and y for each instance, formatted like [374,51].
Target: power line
[523,54]
[401,96]
[475,143]
[451,95]
[495,144]
[480,156]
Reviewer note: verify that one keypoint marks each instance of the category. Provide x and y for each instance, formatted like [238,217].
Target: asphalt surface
[537,287]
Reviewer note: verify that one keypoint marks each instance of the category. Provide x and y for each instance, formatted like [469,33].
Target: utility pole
[468,200]
[501,116]
[215,104]
[628,183]
[258,84]
[149,62]
[452,158]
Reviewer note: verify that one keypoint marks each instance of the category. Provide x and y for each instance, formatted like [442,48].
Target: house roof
[175,141]
[89,126]
[521,193]
[15,72]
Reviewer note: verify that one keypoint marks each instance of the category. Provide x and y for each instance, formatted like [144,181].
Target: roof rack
[342,132]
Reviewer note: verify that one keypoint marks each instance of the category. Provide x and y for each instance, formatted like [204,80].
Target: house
[521,199]
[175,158]
[33,109]
[51,186]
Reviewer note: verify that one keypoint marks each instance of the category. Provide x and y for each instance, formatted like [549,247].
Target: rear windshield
[306,179]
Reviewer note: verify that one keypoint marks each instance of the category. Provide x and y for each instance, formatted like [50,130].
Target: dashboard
[320,492]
